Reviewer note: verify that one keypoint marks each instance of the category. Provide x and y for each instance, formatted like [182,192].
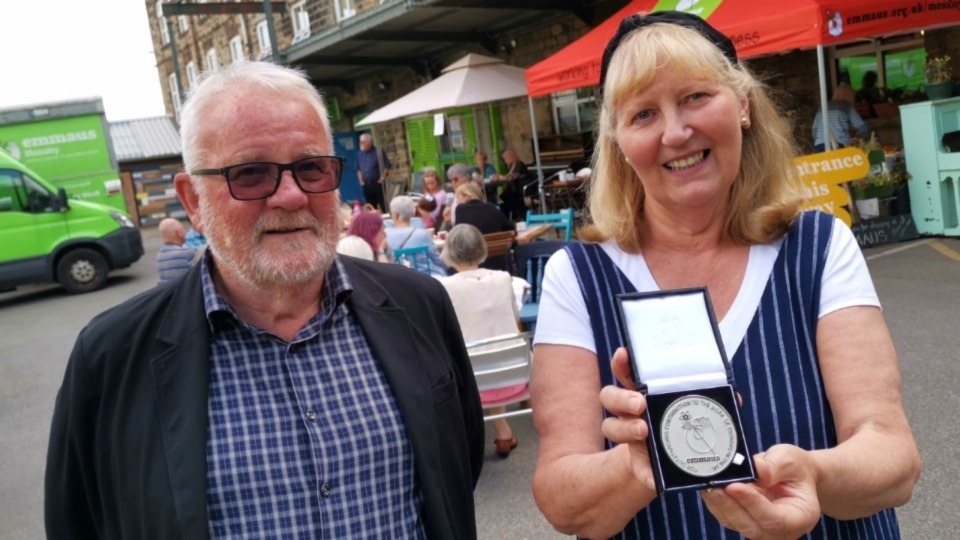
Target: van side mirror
[61,202]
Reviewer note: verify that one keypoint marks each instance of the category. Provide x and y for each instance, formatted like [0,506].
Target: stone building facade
[202,41]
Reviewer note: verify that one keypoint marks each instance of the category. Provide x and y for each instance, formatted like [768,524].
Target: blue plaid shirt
[305,439]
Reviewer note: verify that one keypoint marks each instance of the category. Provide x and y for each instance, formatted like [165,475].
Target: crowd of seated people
[404,235]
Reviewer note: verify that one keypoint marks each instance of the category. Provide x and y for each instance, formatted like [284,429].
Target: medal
[699,436]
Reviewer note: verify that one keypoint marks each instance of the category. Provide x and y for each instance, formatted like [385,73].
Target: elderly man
[372,169]
[518,176]
[174,257]
[458,174]
[277,390]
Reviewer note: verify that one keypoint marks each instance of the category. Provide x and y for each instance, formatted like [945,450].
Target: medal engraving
[699,435]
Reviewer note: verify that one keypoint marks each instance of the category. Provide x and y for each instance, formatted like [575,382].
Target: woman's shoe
[505,446]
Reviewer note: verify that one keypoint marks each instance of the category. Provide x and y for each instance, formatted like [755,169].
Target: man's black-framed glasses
[260,179]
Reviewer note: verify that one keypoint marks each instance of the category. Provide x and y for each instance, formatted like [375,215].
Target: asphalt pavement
[918,283]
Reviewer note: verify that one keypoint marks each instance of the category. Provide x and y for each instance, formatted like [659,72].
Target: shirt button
[311,415]
[325,489]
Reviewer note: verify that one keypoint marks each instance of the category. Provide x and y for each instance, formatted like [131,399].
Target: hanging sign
[822,174]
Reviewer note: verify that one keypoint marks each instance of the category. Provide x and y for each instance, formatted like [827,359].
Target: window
[574,111]
[897,62]
[191,74]
[213,63]
[184,23]
[164,31]
[345,9]
[236,50]
[263,39]
[174,94]
[301,21]
[20,193]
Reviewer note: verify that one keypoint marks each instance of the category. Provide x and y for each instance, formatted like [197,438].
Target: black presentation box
[678,362]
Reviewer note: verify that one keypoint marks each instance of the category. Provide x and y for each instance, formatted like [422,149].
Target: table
[567,194]
[523,237]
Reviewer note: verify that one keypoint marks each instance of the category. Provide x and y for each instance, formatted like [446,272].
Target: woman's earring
[745,123]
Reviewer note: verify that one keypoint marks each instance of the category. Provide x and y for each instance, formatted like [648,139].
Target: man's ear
[189,199]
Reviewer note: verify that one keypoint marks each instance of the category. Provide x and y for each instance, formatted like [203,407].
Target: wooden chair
[500,251]
[560,220]
[500,362]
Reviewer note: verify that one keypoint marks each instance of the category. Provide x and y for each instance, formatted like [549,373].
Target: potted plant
[938,74]
[879,182]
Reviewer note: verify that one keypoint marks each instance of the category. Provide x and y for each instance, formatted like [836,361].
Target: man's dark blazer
[483,216]
[127,454]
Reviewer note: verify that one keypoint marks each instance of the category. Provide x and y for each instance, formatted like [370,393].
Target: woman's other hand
[783,503]
[627,425]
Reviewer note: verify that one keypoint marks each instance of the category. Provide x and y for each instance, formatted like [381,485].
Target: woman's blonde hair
[470,191]
[765,196]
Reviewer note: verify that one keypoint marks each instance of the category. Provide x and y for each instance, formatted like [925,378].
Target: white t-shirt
[562,318]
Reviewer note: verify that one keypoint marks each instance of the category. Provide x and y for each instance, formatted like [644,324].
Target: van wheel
[82,270]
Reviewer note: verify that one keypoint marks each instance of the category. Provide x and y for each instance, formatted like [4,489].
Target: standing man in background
[174,257]
[372,170]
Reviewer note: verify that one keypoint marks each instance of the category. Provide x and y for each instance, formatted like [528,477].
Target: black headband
[678,18]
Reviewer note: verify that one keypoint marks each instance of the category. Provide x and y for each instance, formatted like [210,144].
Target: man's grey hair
[366,137]
[458,169]
[403,206]
[287,83]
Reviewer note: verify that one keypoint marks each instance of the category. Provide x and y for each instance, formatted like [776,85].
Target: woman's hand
[783,503]
[627,425]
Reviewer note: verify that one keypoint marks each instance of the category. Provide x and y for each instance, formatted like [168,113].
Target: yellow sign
[821,175]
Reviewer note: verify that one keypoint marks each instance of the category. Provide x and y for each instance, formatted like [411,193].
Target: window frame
[263,38]
[877,48]
[344,9]
[184,23]
[300,20]
[174,94]
[164,31]
[212,59]
[192,74]
[236,50]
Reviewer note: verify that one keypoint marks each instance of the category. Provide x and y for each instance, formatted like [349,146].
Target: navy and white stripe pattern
[775,369]
[305,438]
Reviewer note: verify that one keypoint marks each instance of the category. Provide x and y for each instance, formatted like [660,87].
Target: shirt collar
[336,290]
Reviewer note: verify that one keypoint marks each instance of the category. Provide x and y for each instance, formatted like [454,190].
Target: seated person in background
[484,303]
[403,235]
[433,188]
[842,119]
[425,208]
[458,174]
[482,215]
[482,169]
[173,258]
[369,226]
[513,205]
[447,223]
[355,246]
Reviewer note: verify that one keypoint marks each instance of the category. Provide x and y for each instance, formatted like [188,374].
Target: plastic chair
[562,219]
[531,259]
[414,257]
[499,362]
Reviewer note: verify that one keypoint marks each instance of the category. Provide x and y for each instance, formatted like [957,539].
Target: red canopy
[755,28]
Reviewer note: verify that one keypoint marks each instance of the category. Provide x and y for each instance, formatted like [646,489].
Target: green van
[44,236]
